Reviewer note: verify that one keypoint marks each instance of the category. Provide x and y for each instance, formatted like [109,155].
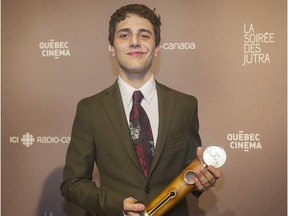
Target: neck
[137,80]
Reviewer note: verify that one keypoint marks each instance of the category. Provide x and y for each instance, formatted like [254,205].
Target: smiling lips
[136,53]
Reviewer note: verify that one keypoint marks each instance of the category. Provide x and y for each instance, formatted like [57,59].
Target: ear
[111,50]
[157,50]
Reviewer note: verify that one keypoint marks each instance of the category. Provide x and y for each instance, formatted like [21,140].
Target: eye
[123,35]
[145,36]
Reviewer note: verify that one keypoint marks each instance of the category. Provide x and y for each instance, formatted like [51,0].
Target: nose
[134,43]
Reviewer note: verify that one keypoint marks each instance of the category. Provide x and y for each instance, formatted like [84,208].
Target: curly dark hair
[140,10]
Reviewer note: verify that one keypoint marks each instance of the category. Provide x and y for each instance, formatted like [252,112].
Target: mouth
[136,53]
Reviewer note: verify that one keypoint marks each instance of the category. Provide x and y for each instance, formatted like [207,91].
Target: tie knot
[137,97]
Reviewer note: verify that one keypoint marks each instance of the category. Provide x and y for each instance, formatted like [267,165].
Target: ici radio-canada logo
[29,139]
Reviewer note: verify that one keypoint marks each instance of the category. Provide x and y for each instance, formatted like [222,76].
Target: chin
[136,71]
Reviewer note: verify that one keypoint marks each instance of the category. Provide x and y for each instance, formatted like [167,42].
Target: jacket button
[147,189]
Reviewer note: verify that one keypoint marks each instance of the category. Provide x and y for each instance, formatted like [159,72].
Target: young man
[135,163]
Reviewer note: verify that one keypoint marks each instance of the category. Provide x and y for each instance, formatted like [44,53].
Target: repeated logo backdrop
[231,55]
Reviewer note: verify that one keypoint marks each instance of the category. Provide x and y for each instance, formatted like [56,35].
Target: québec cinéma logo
[29,139]
[244,141]
[54,49]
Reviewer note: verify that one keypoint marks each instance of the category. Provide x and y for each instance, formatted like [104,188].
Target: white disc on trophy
[215,156]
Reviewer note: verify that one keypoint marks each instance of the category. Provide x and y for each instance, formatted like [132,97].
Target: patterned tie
[141,133]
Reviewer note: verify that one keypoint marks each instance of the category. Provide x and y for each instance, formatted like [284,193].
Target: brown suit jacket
[101,134]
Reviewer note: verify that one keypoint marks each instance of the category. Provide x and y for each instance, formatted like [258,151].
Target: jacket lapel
[166,103]
[115,110]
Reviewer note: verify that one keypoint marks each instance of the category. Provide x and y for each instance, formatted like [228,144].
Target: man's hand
[206,176]
[131,208]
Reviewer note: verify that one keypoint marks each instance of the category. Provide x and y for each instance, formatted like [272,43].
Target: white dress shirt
[149,102]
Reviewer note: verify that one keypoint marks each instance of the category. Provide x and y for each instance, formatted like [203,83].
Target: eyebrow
[129,30]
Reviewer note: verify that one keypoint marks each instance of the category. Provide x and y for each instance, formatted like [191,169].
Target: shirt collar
[148,90]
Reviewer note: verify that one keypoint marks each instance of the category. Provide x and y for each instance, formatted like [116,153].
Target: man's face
[134,45]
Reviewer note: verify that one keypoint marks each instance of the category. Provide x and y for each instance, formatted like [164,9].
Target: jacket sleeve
[78,186]
[195,137]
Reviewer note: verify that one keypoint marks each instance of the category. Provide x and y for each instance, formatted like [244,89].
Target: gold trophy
[184,182]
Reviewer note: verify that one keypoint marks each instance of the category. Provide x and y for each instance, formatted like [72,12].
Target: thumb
[199,153]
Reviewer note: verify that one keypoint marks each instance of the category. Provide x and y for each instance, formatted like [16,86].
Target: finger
[137,207]
[206,178]
[198,185]
[215,172]
[130,206]
[199,153]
